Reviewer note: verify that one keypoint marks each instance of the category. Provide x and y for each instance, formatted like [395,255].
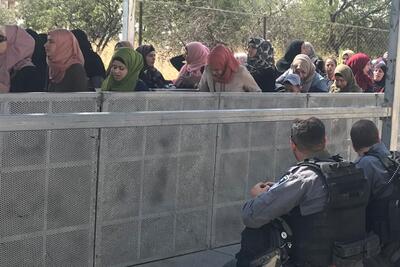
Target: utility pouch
[347,253]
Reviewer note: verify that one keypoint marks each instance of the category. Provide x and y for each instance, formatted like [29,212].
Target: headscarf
[379,86]
[93,64]
[66,54]
[221,58]
[145,50]
[310,51]
[121,44]
[149,74]
[134,63]
[357,63]
[196,59]
[291,52]
[20,47]
[264,58]
[349,53]
[304,63]
[346,73]
[39,55]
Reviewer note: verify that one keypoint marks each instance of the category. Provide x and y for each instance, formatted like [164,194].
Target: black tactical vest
[337,235]
[383,214]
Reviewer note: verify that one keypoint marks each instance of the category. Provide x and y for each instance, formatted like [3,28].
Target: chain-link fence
[169,25]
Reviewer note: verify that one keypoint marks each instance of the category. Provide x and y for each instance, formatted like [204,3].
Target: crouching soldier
[314,215]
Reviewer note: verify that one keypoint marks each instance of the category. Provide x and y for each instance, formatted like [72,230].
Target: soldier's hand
[259,189]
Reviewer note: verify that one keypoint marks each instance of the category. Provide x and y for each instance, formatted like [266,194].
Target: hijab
[196,59]
[310,51]
[357,64]
[20,47]
[134,63]
[145,50]
[67,53]
[149,74]
[347,52]
[264,58]
[346,73]
[93,64]
[222,59]
[121,44]
[378,86]
[291,52]
[303,62]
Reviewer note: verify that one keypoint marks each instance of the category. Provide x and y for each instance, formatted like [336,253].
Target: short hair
[309,134]
[364,133]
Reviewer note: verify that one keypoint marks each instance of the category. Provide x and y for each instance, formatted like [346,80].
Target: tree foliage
[7,16]
[170,24]
[100,19]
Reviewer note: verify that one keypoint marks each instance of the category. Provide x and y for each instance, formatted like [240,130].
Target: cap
[293,79]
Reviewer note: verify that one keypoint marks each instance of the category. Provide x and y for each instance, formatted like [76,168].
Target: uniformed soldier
[324,208]
[383,211]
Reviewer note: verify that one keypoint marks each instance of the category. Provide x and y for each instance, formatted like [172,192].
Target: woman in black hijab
[149,74]
[39,57]
[94,66]
[296,47]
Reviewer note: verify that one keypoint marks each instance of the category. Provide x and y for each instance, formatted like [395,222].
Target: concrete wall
[122,196]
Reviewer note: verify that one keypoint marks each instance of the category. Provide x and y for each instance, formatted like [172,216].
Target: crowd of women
[64,61]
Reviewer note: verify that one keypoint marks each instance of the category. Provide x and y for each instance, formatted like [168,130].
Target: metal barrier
[144,182]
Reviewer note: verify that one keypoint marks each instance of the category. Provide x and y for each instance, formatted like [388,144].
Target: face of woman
[301,72]
[330,67]
[367,68]
[252,52]
[118,70]
[50,47]
[216,73]
[340,82]
[3,44]
[304,49]
[151,58]
[378,74]
[345,57]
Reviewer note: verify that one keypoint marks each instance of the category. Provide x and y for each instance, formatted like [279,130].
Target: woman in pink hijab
[196,59]
[65,59]
[17,72]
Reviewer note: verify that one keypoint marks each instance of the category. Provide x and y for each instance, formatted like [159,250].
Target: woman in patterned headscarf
[261,63]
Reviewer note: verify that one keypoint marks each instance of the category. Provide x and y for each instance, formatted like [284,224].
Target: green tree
[178,22]
[7,16]
[100,19]
[333,16]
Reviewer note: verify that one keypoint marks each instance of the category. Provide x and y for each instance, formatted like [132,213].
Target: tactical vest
[337,235]
[383,214]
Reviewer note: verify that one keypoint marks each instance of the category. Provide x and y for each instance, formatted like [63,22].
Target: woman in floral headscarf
[261,63]
[17,72]
[66,63]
